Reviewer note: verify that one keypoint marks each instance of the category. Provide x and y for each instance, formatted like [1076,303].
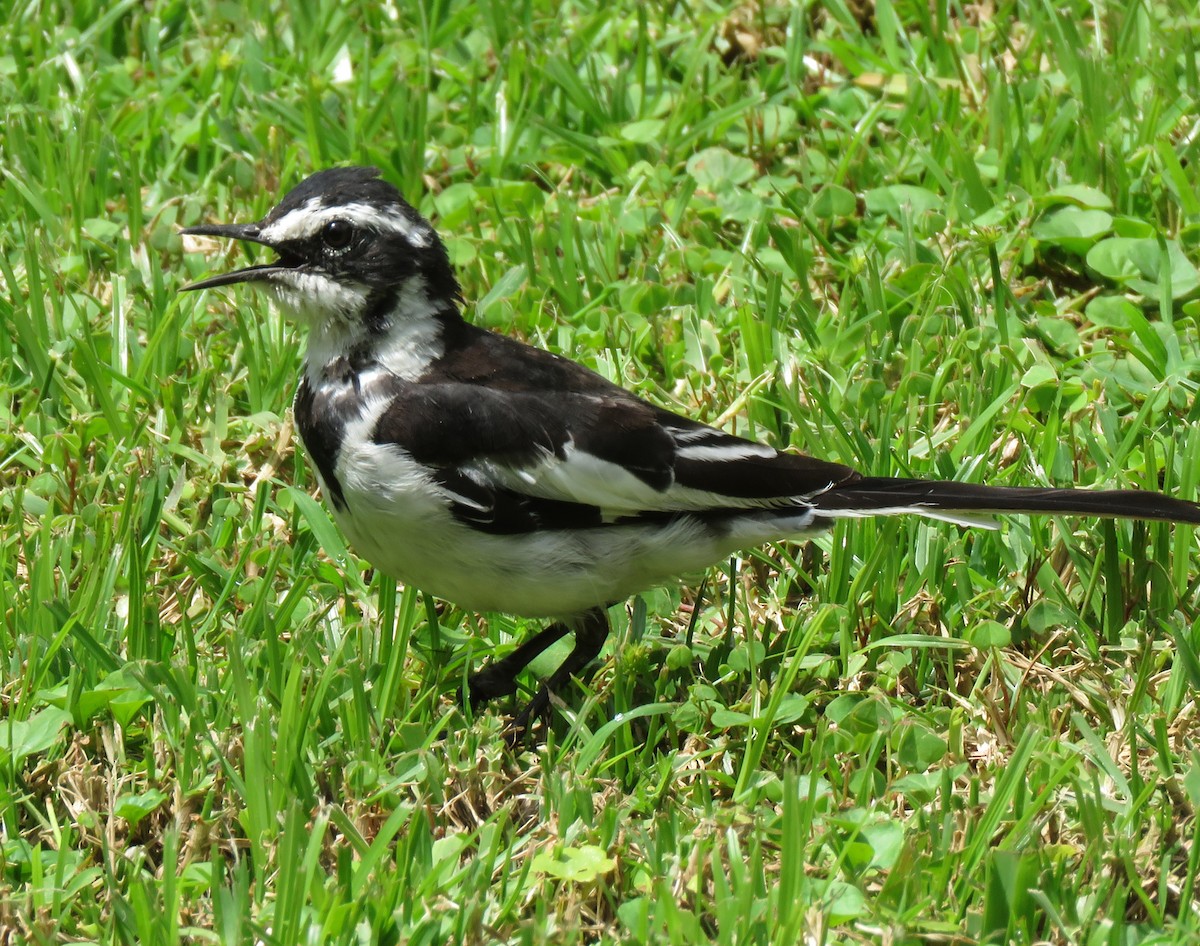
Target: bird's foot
[491,682]
[538,708]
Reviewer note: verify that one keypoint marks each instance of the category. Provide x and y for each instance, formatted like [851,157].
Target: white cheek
[317,299]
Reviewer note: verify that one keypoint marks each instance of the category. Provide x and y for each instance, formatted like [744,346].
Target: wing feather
[601,450]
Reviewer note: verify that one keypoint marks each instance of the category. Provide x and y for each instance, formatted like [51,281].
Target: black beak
[249,232]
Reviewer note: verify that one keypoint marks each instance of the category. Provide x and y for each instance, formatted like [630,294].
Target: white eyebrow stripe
[307,219]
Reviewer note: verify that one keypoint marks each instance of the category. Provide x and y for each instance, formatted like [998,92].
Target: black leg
[590,635]
[500,678]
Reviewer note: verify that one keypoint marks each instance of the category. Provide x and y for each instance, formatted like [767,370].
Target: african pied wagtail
[505,478]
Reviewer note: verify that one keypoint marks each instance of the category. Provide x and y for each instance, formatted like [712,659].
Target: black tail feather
[883,494]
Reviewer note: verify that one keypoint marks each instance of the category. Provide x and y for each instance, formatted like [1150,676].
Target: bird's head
[353,255]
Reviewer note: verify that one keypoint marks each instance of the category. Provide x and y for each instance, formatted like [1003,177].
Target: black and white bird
[501,477]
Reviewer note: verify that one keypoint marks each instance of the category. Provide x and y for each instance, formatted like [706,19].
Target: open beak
[249,232]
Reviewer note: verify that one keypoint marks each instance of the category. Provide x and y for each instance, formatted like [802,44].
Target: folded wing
[511,460]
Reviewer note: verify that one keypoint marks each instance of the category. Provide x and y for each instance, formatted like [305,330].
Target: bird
[502,477]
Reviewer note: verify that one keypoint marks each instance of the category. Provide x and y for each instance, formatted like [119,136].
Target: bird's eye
[337,234]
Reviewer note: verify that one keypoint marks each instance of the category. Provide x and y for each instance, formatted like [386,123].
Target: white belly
[398,520]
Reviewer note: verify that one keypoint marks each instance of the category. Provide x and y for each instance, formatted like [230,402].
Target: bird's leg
[499,678]
[589,639]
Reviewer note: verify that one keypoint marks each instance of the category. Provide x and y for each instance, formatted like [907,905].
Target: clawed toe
[500,678]
[487,685]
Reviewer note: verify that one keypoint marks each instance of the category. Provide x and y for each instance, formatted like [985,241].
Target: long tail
[957,502]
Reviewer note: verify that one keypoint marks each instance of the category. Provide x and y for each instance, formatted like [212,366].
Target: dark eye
[337,234]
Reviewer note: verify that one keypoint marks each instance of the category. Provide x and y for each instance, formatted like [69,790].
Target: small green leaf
[777,122]
[717,169]
[678,658]
[900,201]
[101,229]
[727,718]
[690,717]
[1132,227]
[1137,263]
[579,865]
[886,840]
[1062,333]
[134,807]
[918,748]
[833,201]
[449,848]
[1038,375]
[1149,257]
[844,902]
[921,787]
[1113,259]
[1191,783]
[1046,614]
[1081,195]
[643,132]
[22,738]
[1110,311]
[454,203]
[987,634]
[461,249]
[791,708]
[634,915]
[740,205]
[1073,229]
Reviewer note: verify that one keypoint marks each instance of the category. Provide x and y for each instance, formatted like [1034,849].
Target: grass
[919,238]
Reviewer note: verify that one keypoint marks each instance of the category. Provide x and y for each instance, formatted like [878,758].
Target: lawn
[923,238]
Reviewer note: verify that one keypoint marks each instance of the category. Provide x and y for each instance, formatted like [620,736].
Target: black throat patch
[321,417]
